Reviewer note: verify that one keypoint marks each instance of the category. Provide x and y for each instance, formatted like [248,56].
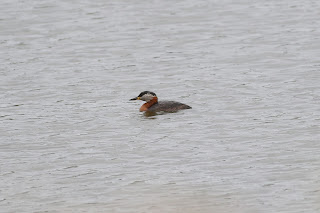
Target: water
[71,141]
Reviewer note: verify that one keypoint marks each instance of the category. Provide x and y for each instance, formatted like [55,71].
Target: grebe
[153,105]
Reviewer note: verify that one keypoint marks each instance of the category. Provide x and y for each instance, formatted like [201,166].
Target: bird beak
[136,98]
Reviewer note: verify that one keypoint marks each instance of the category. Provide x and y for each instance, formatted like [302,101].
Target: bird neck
[147,105]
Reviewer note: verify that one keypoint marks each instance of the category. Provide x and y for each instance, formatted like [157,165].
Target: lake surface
[71,141]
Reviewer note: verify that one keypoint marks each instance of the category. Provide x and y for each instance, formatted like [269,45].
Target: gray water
[70,141]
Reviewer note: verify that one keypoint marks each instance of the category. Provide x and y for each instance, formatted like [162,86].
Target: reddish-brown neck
[147,105]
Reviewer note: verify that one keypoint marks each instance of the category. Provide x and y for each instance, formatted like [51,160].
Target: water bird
[153,105]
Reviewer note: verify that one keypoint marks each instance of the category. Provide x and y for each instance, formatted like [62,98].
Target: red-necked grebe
[153,105]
